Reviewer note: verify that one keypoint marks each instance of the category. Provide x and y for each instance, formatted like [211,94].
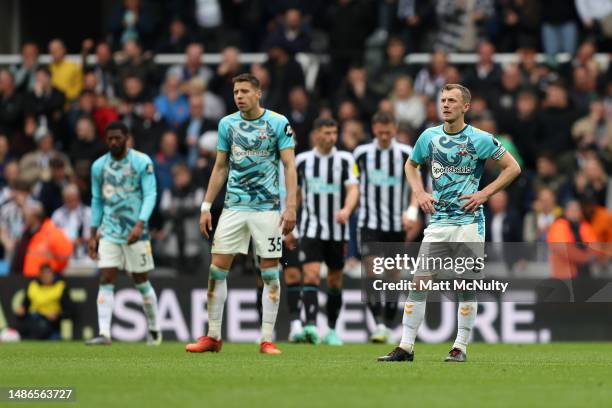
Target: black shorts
[290,258]
[370,235]
[317,250]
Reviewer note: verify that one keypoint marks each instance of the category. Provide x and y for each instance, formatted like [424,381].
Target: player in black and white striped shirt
[384,213]
[329,189]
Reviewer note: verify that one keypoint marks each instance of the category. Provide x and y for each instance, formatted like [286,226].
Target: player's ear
[466,107]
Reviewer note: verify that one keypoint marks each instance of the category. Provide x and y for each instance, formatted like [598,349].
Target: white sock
[106,301]
[296,326]
[269,301]
[217,293]
[149,304]
[414,313]
[466,316]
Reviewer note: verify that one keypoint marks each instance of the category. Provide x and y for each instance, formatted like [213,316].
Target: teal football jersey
[123,193]
[254,151]
[457,163]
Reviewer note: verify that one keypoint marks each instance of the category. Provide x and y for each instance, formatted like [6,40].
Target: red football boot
[267,347]
[205,344]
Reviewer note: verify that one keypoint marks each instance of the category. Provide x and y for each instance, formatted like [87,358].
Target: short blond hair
[465,93]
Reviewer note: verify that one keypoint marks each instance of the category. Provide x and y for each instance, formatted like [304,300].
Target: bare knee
[312,273]
[292,276]
[108,276]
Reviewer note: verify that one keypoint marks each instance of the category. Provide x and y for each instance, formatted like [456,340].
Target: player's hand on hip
[92,248]
[426,202]
[474,201]
[135,234]
[205,224]
[288,220]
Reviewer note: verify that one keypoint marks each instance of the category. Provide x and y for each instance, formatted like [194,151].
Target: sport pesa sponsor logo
[437,170]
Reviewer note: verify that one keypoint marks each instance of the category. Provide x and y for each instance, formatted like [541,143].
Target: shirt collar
[319,154]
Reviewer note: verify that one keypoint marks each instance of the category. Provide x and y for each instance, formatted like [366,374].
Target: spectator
[547,175]
[431,79]
[11,104]
[148,129]
[49,193]
[559,27]
[41,243]
[46,101]
[407,107]
[25,73]
[165,159]
[190,131]
[104,69]
[214,108]
[503,223]
[524,127]
[14,197]
[133,97]
[598,216]
[504,100]
[293,32]
[593,177]
[177,38]
[136,63]
[45,304]
[104,113]
[519,24]
[392,68]
[596,17]
[84,107]
[357,90]
[87,146]
[74,218]
[486,74]
[222,84]
[571,260]
[23,141]
[595,130]
[557,119]
[209,20]
[352,135]
[584,89]
[301,115]
[544,212]
[461,24]
[193,68]
[414,21]
[172,104]
[35,166]
[132,21]
[285,74]
[349,23]
[65,75]
[179,238]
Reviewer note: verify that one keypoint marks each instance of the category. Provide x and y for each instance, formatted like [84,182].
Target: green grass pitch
[134,375]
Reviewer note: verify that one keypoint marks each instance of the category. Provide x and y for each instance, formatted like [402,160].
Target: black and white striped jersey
[384,189]
[322,180]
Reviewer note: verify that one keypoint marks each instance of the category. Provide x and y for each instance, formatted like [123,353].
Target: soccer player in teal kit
[457,153]
[123,193]
[251,142]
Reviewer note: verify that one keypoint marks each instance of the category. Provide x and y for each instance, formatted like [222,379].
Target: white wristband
[205,206]
[412,213]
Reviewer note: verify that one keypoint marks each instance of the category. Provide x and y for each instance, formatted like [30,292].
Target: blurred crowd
[555,118]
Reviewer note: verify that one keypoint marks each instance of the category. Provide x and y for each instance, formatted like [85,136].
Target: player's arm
[422,197]
[411,215]
[351,184]
[288,218]
[350,203]
[149,197]
[97,210]
[218,177]
[510,171]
